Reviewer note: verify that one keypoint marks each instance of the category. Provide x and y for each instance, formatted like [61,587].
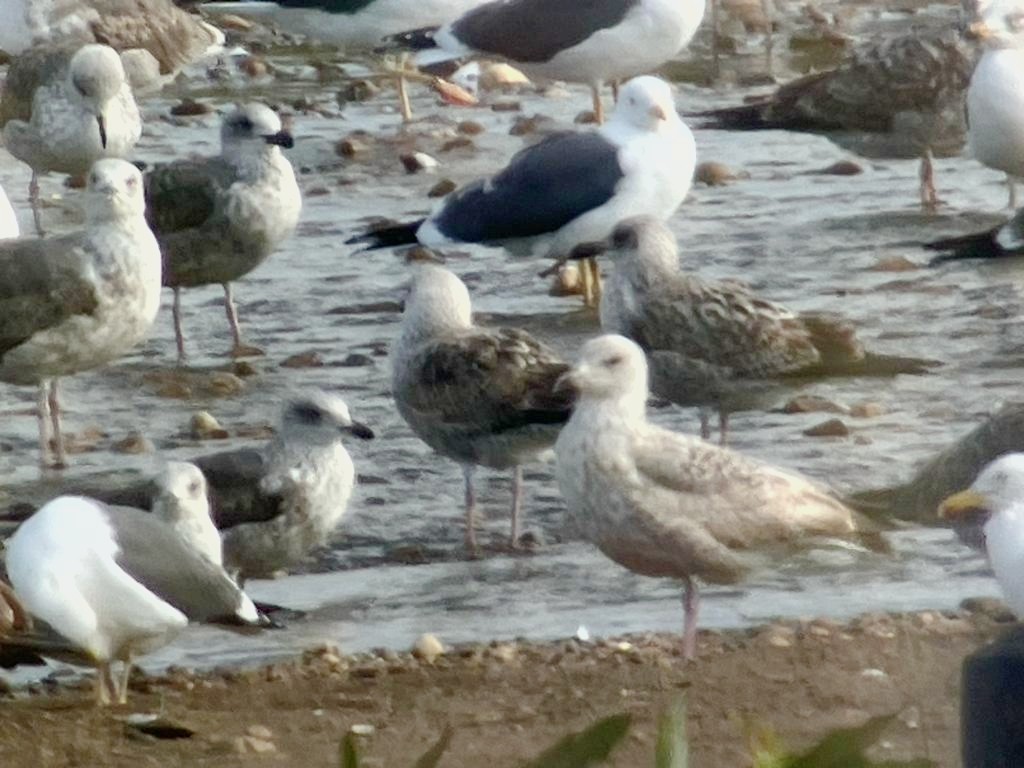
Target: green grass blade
[348,752]
[586,748]
[432,756]
[673,749]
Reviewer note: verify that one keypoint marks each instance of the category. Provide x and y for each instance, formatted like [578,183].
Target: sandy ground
[507,702]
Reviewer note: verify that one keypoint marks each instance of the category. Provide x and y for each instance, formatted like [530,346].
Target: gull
[274,506]
[1004,240]
[479,396]
[717,343]
[996,501]
[76,302]
[169,35]
[181,501]
[80,113]
[995,96]
[901,97]
[665,504]
[114,583]
[8,219]
[570,187]
[219,218]
[592,42]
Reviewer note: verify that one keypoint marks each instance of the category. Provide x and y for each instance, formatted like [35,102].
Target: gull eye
[611,362]
[307,414]
[194,488]
[244,124]
[624,237]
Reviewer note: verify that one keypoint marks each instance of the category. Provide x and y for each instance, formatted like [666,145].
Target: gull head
[96,76]
[646,103]
[319,418]
[437,301]
[998,488]
[181,493]
[610,367]
[640,241]
[1000,24]
[114,191]
[251,128]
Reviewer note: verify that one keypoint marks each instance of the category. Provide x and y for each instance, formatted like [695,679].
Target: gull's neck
[1004,541]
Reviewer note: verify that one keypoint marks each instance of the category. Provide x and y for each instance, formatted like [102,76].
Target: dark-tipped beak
[282,139]
[566,383]
[103,130]
[589,250]
[963,506]
[361,431]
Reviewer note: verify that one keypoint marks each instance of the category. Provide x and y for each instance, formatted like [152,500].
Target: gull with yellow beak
[995,96]
[571,187]
[995,502]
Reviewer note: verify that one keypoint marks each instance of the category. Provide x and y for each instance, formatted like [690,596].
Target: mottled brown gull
[76,302]
[480,396]
[714,343]
[665,504]
[219,218]
[82,111]
[114,583]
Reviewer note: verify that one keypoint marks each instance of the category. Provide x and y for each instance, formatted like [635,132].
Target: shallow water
[810,241]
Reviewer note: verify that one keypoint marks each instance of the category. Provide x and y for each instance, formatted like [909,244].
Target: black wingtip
[421,39]
[982,245]
[387,236]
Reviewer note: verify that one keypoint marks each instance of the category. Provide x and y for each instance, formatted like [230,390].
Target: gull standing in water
[996,501]
[81,112]
[593,41]
[114,583]
[571,187]
[995,96]
[480,396]
[219,218]
[664,504]
[717,343]
[273,507]
[76,302]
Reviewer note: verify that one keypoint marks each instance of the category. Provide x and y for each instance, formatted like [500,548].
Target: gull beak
[282,139]
[963,506]
[568,382]
[361,431]
[103,130]
[658,112]
[589,250]
[979,30]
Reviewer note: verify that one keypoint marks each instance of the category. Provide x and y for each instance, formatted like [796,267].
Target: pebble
[308,359]
[232,21]
[470,128]
[350,147]
[830,428]
[992,607]
[259,732]
[223,383]
[506,106]
[190,108]
[713,174]
[362,729]
[503,652]
[500,75]
[203,426]
[357,90]
[442,188]
[813,404]
[459,142]
[428,648]
[894,264]
[415,162]
[867,410]
[523,125]
[133,443]
[244,745]
[840,168]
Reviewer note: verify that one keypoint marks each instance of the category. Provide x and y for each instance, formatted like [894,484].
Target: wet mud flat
[507,701]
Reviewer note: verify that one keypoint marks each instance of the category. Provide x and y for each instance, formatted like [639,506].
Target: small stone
[867,410]
[840,168]
[190,108]
[992,607]
[713,174]
[779,641]
[911,717]
[500,75]
[874,674]
[203,426]
[223,383]
[133,443]
[830,428]
[506,106]
[470,128]
[451,93]
[357,90]
[442,188]
[318,191]
[587,117]
[243,368]
[244,745]
[350,147]
[428,648]
[523,126]
[310,359]
[894,264]
[362,729]
[414,162]
[503,652]
[259,732]
[566,281]
[459,142]
[253,66]
[813,404]
[231,21]
[356,360]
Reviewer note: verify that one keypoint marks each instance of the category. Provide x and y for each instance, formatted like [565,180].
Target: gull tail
[980,245]
[388,236]
[881,365]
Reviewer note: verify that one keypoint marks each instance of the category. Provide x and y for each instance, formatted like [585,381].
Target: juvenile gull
[219,218]
[81,112]
[898,98]
[274,507]
[8,219]
[571,187]
[719,344]
[171,35]
[115,583]
[592,41]
[664,504]
[996,501]
[76,302]
[480,396]
[1004,240]
[995,97]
